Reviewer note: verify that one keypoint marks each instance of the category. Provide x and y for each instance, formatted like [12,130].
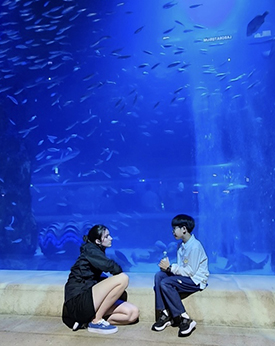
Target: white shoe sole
[103,331]
[189,330]
[159,329]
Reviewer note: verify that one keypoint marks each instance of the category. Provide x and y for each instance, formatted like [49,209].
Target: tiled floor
[42,331]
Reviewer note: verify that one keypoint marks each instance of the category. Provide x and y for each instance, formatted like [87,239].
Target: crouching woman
[91,300]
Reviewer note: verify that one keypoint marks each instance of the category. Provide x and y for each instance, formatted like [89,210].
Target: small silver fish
[13,99]
[17,241]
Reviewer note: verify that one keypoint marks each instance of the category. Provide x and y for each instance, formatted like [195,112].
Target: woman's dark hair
[184,220]
[95,233]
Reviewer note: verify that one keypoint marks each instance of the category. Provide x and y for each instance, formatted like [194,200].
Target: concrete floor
[42,331]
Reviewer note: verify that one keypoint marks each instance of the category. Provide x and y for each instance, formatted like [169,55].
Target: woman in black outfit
[90,299]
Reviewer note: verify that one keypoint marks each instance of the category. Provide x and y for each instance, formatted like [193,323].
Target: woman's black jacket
[87,269]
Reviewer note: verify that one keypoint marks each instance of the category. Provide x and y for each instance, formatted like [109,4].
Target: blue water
[129,113]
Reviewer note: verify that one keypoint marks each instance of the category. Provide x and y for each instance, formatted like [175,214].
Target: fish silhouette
[255,24]
[122,260]
[240,262]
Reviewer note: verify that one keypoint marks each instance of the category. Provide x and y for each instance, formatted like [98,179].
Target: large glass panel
[129,113]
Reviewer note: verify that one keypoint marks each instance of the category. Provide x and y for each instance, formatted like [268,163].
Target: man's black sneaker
[163,322]
[186,327]
[176,321]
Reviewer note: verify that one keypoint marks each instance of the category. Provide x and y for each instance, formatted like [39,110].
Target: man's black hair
[184,220]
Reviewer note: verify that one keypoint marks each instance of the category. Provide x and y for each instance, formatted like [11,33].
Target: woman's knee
[124,279]
[134,314]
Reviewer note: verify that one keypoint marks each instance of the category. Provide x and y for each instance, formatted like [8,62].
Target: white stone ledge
[231,300]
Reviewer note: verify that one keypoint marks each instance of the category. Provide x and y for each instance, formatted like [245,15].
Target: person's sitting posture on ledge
[178,280]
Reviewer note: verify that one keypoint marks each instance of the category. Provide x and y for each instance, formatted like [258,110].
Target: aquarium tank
[127,113]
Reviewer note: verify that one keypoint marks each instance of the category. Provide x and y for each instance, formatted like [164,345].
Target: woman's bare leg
[107,292]
[123,313]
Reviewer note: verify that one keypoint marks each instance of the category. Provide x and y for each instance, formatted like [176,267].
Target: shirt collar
[189,242]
